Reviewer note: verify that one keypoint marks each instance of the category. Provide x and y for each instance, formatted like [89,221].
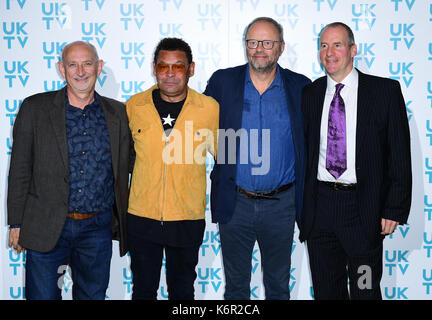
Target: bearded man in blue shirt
[257,180]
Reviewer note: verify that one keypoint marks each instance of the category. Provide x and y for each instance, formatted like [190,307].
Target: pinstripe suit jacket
[383,159]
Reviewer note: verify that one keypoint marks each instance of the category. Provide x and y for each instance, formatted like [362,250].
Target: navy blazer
[383,157]
[226,86]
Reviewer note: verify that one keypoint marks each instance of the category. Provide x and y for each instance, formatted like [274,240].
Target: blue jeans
[84,245]
[271,224]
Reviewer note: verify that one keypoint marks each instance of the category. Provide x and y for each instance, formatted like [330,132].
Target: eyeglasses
[266,44]
[176,68]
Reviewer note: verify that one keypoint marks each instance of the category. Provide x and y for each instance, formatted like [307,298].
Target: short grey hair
[350,34]
[88,44]
[277,25]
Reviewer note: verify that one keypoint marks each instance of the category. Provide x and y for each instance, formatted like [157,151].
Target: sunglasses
[176,68]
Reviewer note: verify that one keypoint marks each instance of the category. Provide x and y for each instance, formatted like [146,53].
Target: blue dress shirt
[266,158]
[91,180]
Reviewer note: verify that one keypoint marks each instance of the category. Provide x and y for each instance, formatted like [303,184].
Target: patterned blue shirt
[91,180]
[266,158]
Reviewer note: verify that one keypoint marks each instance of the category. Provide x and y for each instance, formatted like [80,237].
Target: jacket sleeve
[21,164]
[399,175]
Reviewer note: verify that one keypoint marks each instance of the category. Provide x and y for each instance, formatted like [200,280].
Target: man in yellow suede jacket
[173,127]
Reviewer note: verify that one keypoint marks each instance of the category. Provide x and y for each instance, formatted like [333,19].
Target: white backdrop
[394,38]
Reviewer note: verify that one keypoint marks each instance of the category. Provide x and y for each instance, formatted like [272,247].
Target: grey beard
[264,69]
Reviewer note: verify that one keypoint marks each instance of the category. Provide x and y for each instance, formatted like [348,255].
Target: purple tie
[336,162]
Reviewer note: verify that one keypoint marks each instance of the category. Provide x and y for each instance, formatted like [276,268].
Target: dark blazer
[38,188]
[383,158]
[227,87]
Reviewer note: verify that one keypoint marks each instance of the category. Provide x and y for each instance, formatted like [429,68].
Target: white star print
[168,120]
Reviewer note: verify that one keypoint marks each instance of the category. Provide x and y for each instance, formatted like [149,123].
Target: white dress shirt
[349,95]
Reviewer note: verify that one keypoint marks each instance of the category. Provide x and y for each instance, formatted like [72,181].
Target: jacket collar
[58,122]
[192,97]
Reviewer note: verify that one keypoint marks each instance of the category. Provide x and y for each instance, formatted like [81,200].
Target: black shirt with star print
[168,111]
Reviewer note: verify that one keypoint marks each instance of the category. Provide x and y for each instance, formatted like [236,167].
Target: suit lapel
[57,116]
[236,105]
[317,106]
[286,81]
[113,125]
[292,111]
[363,113]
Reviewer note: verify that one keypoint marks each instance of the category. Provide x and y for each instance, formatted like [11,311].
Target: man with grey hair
[262,101]
[358,175]
[68,181]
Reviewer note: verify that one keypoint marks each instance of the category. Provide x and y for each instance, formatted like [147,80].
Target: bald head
[89,46]
[277,25]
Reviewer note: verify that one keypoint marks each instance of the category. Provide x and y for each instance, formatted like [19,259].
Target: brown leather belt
[265,195]
[81,215]
[339,186]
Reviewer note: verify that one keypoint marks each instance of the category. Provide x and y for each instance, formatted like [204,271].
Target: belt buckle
[267,195]
[264,195]
[81,215]
[249,195]
[257,195]
[335,186]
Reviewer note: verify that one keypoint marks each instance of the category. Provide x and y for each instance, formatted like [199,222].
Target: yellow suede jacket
[169,176]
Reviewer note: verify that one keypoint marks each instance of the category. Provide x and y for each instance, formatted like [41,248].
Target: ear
[100,66]
[282,48]
[61,69]
[353,50]
[191,69]
[154,69]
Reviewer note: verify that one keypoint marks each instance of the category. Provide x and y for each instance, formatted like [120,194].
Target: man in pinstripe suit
[358,174]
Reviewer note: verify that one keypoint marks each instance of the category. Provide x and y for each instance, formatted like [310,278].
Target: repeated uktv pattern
[394,40]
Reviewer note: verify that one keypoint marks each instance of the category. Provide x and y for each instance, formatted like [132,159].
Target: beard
[266,67]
